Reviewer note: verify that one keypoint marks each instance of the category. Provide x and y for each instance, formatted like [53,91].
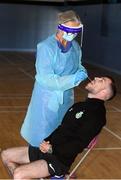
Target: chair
[89,148]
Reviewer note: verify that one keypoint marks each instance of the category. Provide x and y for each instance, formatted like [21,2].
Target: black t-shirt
[82,122]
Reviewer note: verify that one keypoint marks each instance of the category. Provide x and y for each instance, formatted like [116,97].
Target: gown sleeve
[46,75]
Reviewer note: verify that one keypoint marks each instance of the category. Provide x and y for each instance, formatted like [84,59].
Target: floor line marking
[112,111]
[24,58]
[26,73]
[12,106]
[107,148]
[14,97]
[117,109]
[11,111]
[20,69]
[111,132]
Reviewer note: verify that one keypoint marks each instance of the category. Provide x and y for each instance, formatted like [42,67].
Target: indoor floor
[16,82]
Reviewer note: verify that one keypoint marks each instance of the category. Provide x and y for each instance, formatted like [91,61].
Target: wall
[23,26]
[103,36]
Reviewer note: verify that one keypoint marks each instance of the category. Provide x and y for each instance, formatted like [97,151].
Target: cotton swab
[89,79]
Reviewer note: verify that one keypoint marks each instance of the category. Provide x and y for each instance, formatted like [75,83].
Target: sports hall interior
[101,56]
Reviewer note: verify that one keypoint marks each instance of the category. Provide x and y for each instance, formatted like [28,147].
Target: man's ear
[105,94]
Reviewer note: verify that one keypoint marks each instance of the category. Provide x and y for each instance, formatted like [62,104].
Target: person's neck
[96,96]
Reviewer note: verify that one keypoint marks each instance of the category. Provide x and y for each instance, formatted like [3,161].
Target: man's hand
[45,147]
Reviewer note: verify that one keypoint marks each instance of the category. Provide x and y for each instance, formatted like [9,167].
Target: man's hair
[112,88]
[66,16]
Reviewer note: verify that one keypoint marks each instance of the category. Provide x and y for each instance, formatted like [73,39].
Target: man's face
[98,84]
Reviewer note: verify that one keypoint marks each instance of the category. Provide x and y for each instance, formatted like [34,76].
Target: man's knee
[18,173]
[21,173]
[5,156]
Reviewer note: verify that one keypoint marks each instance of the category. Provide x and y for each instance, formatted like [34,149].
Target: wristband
[50,150]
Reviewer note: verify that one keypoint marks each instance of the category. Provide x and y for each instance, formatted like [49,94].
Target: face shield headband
[69,29]
[73,30]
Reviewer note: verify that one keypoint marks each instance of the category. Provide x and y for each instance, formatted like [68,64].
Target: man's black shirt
[82,122]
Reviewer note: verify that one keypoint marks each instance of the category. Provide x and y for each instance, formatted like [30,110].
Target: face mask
[69,36]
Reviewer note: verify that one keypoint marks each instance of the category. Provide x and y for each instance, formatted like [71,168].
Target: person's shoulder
[75,42]
[76,45]
[48,42]
[78,105]
[97,108]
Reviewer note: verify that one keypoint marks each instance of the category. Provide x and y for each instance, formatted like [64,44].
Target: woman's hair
[66,16]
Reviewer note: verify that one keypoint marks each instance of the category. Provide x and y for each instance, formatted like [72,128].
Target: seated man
[82,122]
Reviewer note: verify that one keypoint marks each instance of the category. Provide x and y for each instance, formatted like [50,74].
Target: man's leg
[13,157]
[36,169]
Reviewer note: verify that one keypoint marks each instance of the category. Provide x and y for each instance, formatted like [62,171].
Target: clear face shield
[71,32]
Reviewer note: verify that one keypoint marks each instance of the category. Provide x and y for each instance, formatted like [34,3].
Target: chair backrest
[92,143]
[89,147]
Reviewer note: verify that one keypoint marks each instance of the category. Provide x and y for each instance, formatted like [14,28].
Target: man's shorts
[55,167]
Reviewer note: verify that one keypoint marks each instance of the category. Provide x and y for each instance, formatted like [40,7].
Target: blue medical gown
[53,89]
